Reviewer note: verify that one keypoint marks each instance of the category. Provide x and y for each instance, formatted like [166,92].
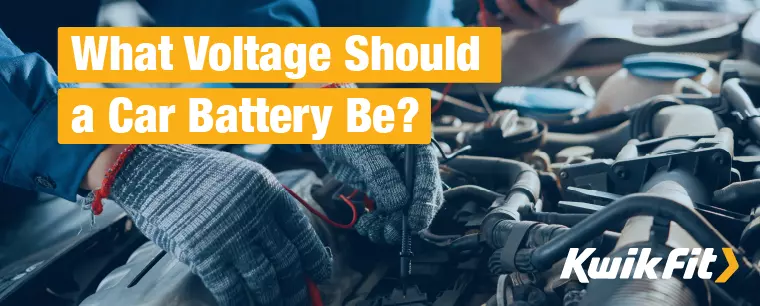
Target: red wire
[482,9]
[353,194]
[449,85]
[311,287]
[322,216]
[314,295]
[443,97]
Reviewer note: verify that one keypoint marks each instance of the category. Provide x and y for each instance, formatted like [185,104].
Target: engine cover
[150,279]
[167,282]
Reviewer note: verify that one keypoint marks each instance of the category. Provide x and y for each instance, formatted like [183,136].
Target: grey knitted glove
[227,218]
[378,171]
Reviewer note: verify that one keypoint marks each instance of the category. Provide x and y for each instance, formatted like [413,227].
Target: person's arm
[531,15]
[30,155]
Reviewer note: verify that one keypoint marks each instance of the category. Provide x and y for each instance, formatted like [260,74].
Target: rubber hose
[739,197]
[642,118]
[568,220]
[523,181]
[537,235]
[543,257]
[469,191]
[507,173]
[741,102]
[591,125]
[637,292]
[605,143]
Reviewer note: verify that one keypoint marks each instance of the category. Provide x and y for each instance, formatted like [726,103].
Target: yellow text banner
[244,116]
[279,55]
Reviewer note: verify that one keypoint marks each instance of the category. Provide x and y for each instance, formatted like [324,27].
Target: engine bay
[557,194]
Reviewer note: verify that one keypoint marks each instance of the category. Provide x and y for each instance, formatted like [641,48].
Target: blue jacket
[30,156]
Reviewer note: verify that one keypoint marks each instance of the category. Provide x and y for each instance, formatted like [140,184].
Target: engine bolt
[718,158]
[621,172]
[563,174]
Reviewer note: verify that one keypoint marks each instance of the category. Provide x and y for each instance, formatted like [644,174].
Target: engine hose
[505,172]
[523,181]
[720,296]
[641,204]
[469,191]
[568,220]
[642,117]
[522,246]
[739,196]
[591,125]
[741,102]
[636,292]
[605,143]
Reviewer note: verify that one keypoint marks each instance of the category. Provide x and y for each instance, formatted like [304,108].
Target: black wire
[449,157]
[438,146]
[483,99]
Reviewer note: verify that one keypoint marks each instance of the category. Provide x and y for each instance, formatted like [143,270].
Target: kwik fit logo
[643,265]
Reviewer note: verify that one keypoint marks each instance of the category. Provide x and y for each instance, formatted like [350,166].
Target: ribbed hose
[521,179]
[541,234]
[538,235]
[639,292]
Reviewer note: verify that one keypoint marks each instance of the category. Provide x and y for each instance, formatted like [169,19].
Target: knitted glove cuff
[148,168]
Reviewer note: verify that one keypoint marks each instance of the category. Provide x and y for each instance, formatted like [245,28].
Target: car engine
[535,179]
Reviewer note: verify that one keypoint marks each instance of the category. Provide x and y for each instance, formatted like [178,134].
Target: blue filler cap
[665,66]
[544,103]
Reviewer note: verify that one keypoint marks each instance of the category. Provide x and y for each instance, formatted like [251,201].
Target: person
[226,217]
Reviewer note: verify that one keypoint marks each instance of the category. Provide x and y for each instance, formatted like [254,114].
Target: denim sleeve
[30,156]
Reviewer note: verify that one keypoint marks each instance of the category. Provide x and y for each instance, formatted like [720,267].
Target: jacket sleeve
[30,156]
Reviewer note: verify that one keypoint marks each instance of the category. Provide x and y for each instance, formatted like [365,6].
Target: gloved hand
[378,171]
[227,218]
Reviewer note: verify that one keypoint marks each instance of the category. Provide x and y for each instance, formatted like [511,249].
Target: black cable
[410,153]
[449,157]
[438,146]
